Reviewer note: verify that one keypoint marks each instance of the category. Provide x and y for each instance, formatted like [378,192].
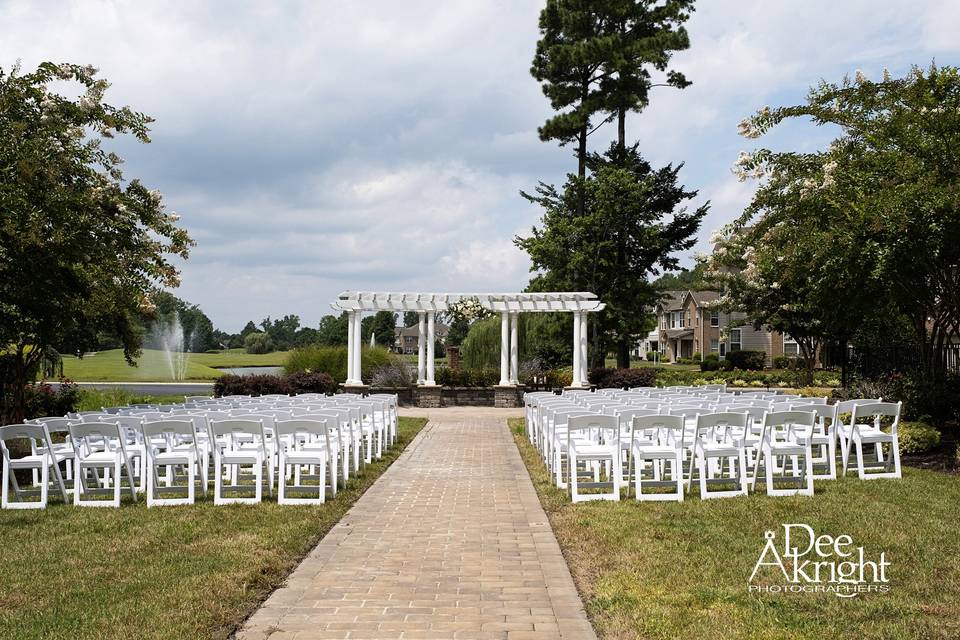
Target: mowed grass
[152,366]
[669,570]
[167,572]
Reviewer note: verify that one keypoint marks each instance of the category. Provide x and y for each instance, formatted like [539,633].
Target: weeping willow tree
[546,337]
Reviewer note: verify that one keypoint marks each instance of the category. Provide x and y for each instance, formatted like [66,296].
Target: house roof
[413,330]
[704,297]
[671,300]
[673,334]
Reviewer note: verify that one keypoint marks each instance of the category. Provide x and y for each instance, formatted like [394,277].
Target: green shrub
[917,437]
[782,362]
[333,361]
[710,362]
[484,377]
[739,382]
[697,356]
[757,383]
[622,378]
[747,360]
[651,355]
[258,342]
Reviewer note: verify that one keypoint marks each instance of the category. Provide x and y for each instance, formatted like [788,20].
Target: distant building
[406,338]
[689,323]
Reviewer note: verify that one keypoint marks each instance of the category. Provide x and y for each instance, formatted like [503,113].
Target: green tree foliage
[198,331]
[333,330]
[258,342]
[81,247]
[384,326]
[410,318]
[874,219]
[684,280]
[457,331]
[248,328]
[633,223]
[595,56]
[282,332]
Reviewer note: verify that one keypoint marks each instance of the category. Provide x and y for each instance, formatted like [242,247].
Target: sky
[315,147]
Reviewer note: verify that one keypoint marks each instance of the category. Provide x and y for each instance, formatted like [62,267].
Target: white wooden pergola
[508,305]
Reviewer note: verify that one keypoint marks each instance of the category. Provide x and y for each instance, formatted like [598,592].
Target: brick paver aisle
[451,542]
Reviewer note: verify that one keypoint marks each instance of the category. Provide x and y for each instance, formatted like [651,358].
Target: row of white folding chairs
[824,434]
[277,437]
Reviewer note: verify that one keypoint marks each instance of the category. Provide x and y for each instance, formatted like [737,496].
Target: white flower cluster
[752,128]
[747,166]
[467,308]
[861,77]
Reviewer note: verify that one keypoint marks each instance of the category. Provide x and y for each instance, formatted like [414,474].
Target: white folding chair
[42,456]
[171,444]
[246,445]
[100,445]
[779,439]
[865,434]
[658,439]
[302,443]
[712,445]
[594,439]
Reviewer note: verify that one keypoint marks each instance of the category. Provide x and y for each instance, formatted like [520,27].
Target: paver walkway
[451,542]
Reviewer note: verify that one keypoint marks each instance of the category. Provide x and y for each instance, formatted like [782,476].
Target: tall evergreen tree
[595,56]
[634,222]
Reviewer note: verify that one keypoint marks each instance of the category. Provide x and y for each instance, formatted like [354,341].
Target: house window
[714,318]
[736,340]
[680,318]
[714,346]
[790,346]
[688,318]
[723,349]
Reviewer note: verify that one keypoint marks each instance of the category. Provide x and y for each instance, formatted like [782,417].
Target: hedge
[622,378]
[333,361]
[258,385]
[747,360]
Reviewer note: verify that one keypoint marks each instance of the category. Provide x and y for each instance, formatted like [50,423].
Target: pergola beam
[508,305]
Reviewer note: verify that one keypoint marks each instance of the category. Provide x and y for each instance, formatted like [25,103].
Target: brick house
[406,338]
[687,323]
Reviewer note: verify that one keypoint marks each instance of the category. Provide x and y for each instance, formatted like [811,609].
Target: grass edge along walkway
[167,572]
[669,570]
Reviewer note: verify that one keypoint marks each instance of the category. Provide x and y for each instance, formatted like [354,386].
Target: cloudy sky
[316,146]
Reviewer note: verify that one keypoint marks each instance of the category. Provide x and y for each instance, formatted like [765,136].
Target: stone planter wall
[431,397]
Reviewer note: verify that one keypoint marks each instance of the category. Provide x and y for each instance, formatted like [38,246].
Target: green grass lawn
[168,572]
[109,366]
[669,570]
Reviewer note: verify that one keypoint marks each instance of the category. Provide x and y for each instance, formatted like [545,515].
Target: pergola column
[431,339]
[577,352]
[357,347]
[421,347]
[584,342]
[514,348]
[350,315]
[504,349]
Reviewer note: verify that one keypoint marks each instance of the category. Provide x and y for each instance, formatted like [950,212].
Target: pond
[246,371]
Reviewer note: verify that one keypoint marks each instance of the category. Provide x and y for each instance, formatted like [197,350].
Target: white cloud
[312,148]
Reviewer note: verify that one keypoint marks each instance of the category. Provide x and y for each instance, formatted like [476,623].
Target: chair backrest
[664,428]
[879,410]
[607,425]
[822,411]
[313,427]
[35,433]
[846,406]
[780,423]
[806,400]
[239,427]
[173,427]
[55,425]
[725,419]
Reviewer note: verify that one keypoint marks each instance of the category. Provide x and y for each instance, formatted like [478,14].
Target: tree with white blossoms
[81,247]
[870,225]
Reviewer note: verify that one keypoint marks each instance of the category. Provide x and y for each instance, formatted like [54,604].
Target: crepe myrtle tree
[890,213]
[81,247]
